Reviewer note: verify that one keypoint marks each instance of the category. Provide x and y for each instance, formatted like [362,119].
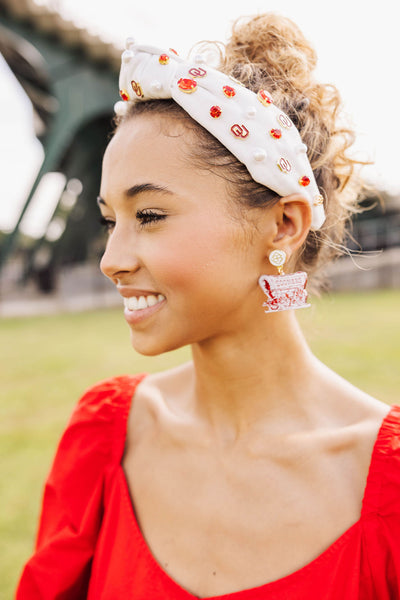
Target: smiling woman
[192,251]
[252,471]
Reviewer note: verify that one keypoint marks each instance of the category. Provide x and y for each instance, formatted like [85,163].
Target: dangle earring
[284,292]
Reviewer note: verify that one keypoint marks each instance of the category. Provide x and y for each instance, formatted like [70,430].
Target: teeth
[134,303]
[131,303]
[142,302]
[151,300]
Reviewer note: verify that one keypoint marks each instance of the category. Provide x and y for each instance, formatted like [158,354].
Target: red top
[90,546]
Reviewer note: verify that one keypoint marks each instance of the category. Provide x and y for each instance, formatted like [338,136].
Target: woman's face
[173,239]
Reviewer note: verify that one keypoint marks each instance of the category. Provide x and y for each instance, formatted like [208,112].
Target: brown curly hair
[270,51]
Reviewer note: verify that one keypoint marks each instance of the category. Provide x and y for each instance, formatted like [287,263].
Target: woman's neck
[241,380]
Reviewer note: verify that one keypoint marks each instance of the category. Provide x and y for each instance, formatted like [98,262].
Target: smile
[134,303]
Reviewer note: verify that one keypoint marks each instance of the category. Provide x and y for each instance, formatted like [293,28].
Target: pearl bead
[199,59]
[127,55]
[155,86]
[120,108]
[251,112]
[130,41]
[259,154]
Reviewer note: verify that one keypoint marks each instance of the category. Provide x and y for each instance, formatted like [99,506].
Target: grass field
[47,362]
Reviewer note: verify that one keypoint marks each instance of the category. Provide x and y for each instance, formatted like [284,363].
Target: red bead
[124,95]
[304,181]
[264,97]
[229,91]
[276,133]
[174,51]
[215,112]
[164,59]
[187,85]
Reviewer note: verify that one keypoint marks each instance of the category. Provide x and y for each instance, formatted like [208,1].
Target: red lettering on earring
[284,292]
[239,131]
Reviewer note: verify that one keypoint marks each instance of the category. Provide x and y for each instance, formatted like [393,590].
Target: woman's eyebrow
[135,190]
[146,187]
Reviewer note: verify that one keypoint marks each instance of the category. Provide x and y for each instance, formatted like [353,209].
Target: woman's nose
[120,255]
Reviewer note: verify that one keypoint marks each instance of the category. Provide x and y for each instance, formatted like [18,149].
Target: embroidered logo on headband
[249,125]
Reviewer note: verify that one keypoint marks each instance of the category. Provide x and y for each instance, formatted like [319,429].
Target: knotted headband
[249,125]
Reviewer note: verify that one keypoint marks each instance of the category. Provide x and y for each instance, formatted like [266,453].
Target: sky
[358,46]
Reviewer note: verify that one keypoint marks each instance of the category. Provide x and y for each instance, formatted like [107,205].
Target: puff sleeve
[383,518]
[73,497]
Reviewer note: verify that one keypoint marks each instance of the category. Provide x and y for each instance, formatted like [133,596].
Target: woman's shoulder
[381,508]
[376,427]
[384,475]
[102,400]
[353,414]
[164,389]
[97,425]
[388,439]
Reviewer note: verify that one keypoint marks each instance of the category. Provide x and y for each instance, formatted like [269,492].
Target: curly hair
[270,51]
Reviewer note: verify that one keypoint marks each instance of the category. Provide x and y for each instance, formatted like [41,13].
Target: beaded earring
[284,292]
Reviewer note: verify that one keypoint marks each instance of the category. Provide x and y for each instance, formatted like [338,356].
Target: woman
[253,471]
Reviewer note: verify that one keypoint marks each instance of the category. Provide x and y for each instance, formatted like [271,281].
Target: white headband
[249,125]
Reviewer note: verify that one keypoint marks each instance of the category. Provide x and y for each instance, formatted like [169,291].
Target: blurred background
[60,326]
[58,75]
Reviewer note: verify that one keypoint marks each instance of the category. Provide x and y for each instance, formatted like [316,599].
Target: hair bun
[271,47]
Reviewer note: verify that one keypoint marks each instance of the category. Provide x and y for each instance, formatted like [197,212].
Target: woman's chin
[150,347]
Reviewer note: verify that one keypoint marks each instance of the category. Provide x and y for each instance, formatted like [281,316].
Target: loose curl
[269,51]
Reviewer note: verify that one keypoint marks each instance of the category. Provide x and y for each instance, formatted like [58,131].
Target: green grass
[358,336]
[47,362]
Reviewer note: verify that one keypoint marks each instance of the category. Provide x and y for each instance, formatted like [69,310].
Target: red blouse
[89,544]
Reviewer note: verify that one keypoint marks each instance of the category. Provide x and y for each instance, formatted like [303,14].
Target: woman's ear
[294,222]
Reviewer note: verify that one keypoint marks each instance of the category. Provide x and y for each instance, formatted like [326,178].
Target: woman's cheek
[183,257]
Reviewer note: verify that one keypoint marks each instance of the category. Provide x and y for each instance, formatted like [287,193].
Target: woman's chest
[124,566]
[219,522]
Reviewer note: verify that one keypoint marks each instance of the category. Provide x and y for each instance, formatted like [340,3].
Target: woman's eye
[146,217]
[108,224]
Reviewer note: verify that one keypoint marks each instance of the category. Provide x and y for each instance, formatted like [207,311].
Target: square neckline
[371,481]
[240,594]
